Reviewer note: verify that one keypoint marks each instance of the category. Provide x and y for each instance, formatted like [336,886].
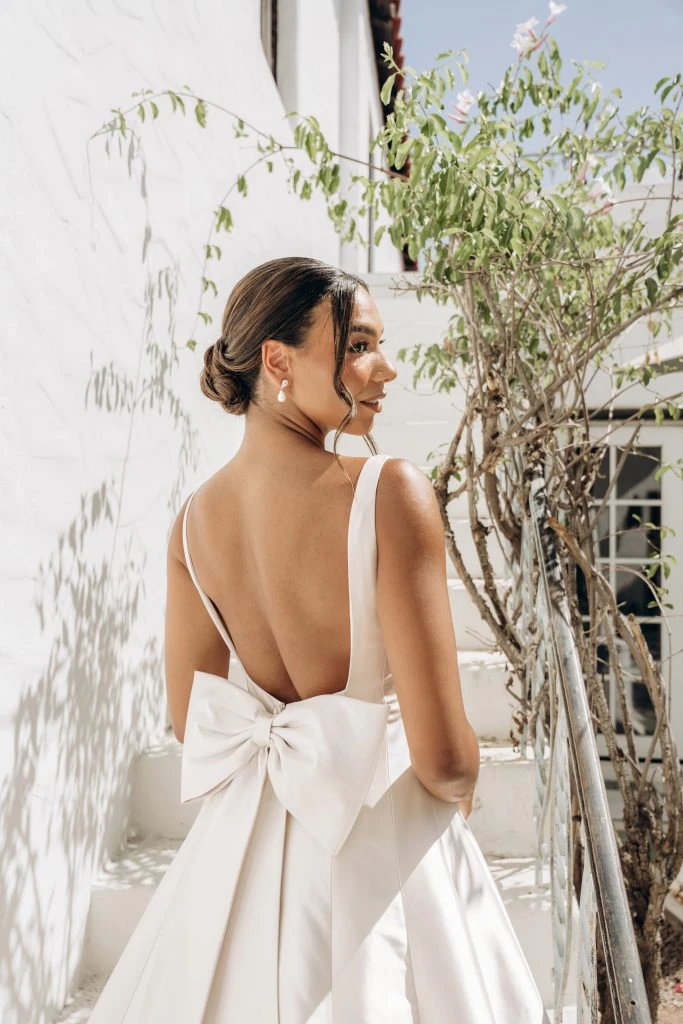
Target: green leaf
[385,94]
[377,237]
[206,317]
[191,344]
[200,112]
[402,151]
[155,109]
[223,219]
[141,111]
[242,185]
[477,209]
[120,120]
[651,287]
[176,100]
[663,269]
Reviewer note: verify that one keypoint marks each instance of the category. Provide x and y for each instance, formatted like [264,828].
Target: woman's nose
[390,372]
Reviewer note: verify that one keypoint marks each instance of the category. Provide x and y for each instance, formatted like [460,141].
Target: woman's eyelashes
[356,347]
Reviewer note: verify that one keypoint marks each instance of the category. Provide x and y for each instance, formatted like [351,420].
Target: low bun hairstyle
[219,382]
[276,300]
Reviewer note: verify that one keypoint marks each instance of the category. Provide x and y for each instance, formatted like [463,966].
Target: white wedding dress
[320,883]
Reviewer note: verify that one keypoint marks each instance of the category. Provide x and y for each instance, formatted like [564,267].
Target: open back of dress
[320,882]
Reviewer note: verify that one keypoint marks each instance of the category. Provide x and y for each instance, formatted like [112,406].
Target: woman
[330,875]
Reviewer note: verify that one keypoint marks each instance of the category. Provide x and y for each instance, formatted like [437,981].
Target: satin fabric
[320,882]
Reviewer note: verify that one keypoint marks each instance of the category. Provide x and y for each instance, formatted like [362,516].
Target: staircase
[501,820]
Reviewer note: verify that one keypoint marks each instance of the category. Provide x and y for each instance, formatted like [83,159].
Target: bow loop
[320,752]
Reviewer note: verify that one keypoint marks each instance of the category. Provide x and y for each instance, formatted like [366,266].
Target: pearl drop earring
[281,394]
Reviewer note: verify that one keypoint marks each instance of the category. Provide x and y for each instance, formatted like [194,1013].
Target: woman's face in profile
[366,371]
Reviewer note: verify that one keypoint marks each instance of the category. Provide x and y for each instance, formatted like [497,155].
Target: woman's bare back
[270,549]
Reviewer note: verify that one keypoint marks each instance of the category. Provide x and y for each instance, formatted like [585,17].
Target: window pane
[601,529]
[634,594]
[652,631]
[602,660]
[602,479]
[642,713]
[634,538]
[637,477]
[581,592]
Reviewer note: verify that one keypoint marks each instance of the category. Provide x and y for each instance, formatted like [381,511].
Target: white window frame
[668,437]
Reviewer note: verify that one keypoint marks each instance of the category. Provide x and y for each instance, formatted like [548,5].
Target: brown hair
[277,300]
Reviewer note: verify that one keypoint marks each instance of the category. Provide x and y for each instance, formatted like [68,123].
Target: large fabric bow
[320,753]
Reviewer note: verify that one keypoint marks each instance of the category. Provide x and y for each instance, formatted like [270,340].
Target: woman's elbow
[452,778]
[178,727]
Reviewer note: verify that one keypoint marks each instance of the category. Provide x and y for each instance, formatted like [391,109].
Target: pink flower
[590,161]
[601,190]
[524,36]
[555,11]
[463,102]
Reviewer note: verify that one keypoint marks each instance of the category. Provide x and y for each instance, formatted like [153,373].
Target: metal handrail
[573,755]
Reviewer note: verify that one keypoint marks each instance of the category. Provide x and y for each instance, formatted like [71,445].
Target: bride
[330,875]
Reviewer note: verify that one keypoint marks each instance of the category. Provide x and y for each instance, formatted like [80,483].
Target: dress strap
[208,603]
[366,671]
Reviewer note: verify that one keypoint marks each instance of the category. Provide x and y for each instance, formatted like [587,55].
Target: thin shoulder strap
[367,652]
[208,603]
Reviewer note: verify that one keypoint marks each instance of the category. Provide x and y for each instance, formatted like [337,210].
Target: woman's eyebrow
[363,329]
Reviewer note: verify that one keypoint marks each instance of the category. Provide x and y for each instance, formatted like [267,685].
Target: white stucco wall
[309,61]
[102,432]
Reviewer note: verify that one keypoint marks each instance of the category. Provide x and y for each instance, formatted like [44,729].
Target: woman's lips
[376,406]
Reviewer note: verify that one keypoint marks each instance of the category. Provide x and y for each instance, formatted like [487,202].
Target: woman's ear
[276,362]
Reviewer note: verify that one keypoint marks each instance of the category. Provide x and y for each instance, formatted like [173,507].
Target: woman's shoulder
[408,511]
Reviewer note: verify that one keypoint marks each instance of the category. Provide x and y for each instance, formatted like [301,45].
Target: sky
[639,40]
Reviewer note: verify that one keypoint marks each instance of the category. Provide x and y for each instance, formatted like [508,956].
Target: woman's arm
[417,627]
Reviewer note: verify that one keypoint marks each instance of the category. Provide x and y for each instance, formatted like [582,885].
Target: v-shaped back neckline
[219,621]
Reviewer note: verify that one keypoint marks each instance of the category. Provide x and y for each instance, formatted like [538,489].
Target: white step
[155,807]
[489,706]
[569,1015]
[471,631]
[77,1009]
[673,902]
[501,817]
[464,540]
[121,896]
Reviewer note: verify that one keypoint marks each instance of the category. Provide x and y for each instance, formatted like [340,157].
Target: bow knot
[319,753]
[262,727]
